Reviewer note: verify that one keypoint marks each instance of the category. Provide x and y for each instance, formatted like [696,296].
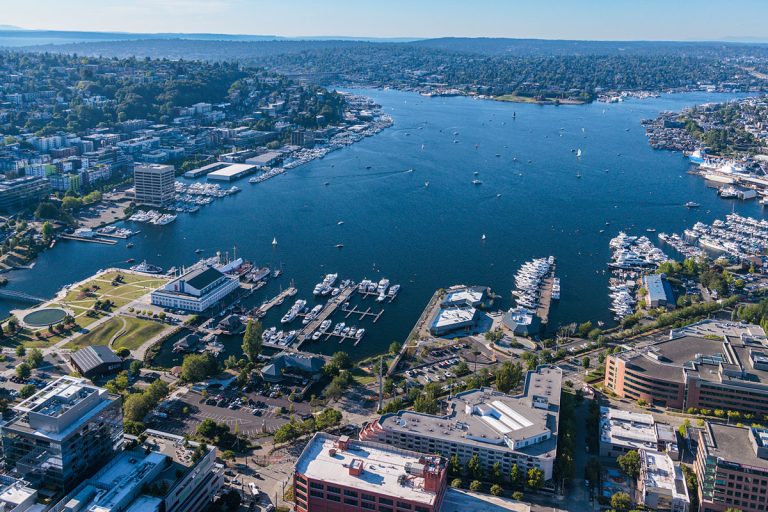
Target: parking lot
[252,413]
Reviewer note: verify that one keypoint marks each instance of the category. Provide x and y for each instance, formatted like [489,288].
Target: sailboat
[578,153]
[578,174]
[426,184]
[482,237]
[274,241]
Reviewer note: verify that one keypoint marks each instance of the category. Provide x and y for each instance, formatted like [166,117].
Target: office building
[95,361]
[20,193]
[16,495]
[63,433]
[196,290]
[661,485]
[732,468]
[165,473]
[707,365]
[336,474]
[624,431]
[512,430]
[154,184]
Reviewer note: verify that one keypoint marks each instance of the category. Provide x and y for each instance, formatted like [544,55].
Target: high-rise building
[154,184]
[336,474]
[732,468]
[511,430]
[164,473]
[63,434]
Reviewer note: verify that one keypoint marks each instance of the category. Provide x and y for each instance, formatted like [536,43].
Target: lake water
[430,237]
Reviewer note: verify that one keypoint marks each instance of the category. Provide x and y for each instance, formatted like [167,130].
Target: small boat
[274,241]
[129,245]
[339,246]
[477,182]
[578,153]
[198,251]
[340,223]
[482,237]
[130,260]
[651,230]
[691,204]
[426,184]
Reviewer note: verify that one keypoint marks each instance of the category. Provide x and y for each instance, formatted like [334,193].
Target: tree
[475,485]
[394,347]
[454,465]
[456,482]
[585,362]
[474,469]
[23,371]
[621,502]
[46,230]
[516,477]
[197,367]
[135,368]
[630,464]
[27,390]
[508,376]
[496,472]
[535,478]
[135,407]
[20,350]
[517,495]
[252,340]
[34,357]
[230,500]
[342,360]
[497,490]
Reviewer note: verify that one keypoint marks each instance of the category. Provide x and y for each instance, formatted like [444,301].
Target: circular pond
[44,317]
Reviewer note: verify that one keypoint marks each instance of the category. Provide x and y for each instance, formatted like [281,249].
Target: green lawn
[134,332]
[100,335]
[137,332]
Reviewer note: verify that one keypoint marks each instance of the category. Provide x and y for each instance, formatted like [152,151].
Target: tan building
[708,365]
[732,468]
[154,184]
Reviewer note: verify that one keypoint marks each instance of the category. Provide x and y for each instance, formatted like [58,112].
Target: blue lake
[530,204]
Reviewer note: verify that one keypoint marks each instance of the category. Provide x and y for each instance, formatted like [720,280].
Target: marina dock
[363,314]
[545,300]
[279,298]
[327,311]
[93,240]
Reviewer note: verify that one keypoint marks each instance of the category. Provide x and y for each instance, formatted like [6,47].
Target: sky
[546,19]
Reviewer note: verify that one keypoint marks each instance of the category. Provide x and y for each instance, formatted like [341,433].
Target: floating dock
[280,297]
[93,240]
[330,307]
[363,314]
[545,299]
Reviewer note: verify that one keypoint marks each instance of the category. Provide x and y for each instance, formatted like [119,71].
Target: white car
[254,489]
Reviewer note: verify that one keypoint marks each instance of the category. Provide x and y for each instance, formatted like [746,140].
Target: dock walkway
[280,297]
[545,300]
[327,311]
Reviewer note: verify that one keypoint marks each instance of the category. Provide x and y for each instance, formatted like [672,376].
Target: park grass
[514,98]
[133,333]
[100,335]
[138,331]
[132,288]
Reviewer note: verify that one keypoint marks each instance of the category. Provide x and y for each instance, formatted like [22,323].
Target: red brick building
[336,474]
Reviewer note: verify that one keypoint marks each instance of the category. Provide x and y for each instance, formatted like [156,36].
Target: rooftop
[231,171]
[657,286]
[629,429]
[470,295]
[89,358]
[711,350]
[732,444]
[525,423]
[385,470]
[660,473]
[446,318]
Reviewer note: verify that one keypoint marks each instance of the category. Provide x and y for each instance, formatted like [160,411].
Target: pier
[93,240]
[280,297]
[363,314]
[330,307]
[545,300]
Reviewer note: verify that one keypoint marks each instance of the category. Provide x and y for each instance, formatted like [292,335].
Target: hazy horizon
[595,20]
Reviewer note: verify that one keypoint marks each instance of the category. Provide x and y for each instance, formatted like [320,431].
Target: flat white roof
[627,428]
[659,472]
[382,468]
[230,171]
[466,294]
[448,317]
